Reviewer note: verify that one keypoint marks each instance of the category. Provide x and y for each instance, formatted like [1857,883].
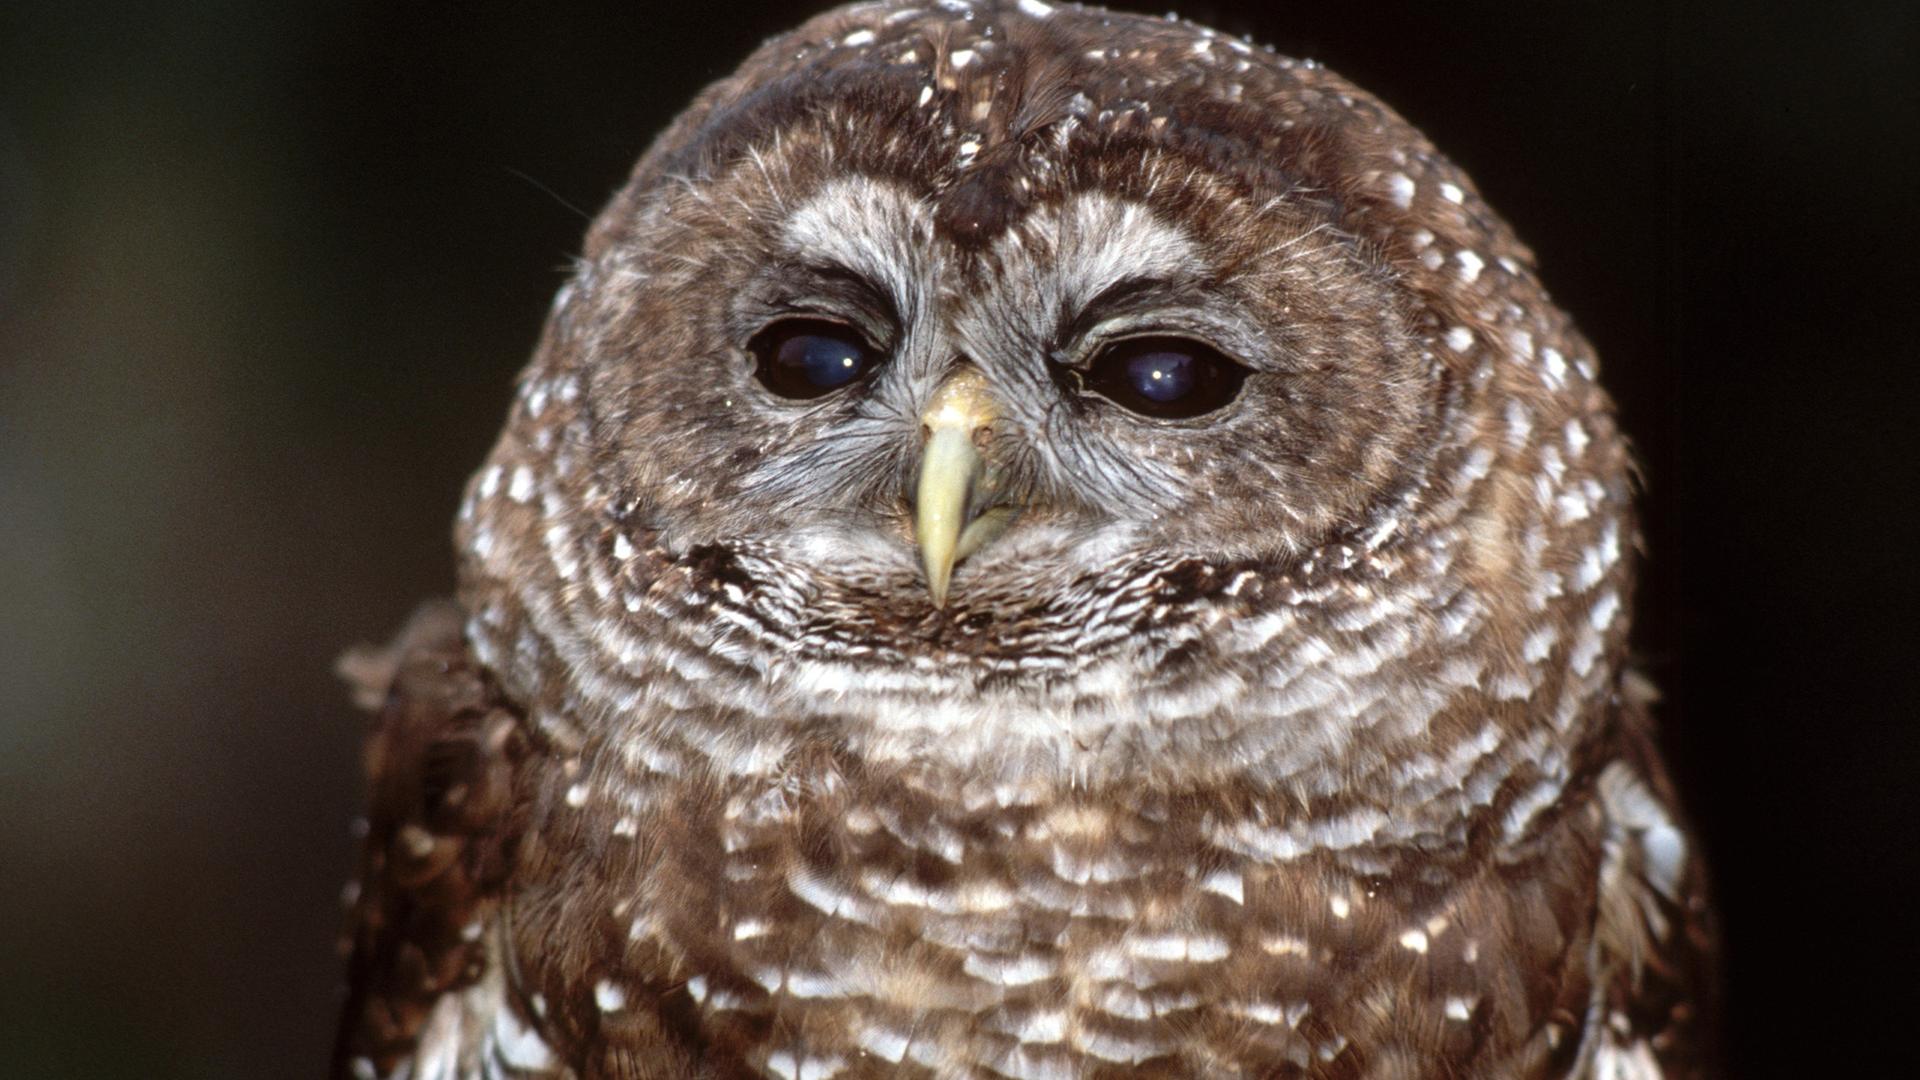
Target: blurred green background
[266,271]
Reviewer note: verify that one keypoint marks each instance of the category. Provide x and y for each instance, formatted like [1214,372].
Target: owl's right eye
[805,358]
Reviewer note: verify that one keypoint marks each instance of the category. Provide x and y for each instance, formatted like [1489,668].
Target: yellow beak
[950,519]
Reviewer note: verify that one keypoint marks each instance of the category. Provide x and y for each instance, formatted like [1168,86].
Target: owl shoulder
[425,993]
[1654,936]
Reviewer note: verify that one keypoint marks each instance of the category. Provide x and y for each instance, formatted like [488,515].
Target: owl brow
[1136,290]
[821,279]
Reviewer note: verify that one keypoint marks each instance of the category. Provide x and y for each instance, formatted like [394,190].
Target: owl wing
[427,990]
[1654,938]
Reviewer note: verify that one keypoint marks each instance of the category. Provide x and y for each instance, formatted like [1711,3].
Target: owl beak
[953,515]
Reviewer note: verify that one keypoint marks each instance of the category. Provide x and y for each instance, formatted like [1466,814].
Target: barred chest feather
[841,919]
[837,924]
[1423,889]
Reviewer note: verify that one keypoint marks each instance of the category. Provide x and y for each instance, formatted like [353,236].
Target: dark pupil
[805,359]
[1163,376]
[825,362]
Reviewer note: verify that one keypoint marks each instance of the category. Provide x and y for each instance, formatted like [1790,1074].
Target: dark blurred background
[266,271]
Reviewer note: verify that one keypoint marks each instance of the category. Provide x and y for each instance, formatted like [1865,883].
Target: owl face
[1055,393]
[1165,347]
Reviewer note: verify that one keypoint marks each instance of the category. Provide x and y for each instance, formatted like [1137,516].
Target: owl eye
[805,358]
[1164,376]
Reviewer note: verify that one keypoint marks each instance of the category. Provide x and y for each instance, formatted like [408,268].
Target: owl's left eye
[1166,377]
[805,358]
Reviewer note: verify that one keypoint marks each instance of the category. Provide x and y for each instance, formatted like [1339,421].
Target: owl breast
[861,923]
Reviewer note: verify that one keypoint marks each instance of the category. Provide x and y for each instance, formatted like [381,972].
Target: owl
[1036,543]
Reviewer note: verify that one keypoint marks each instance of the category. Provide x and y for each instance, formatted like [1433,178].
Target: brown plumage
[1273,722]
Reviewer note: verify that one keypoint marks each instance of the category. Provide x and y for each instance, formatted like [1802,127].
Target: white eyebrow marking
[872,228]
[1096,242]
[1108,241]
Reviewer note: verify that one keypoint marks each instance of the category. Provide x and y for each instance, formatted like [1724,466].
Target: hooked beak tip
[951,469]
[948,472]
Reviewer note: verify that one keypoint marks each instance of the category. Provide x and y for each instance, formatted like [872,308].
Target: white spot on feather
[1014,971]
[521,489]
[1556,366]
[1635,1061]
[1400,187]
[1203,948]
[884,1043]
[1470,265]
[1227,883]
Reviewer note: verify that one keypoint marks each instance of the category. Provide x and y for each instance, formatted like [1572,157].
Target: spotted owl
[1036,543]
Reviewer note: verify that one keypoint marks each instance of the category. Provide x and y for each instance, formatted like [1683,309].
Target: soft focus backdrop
[267,270]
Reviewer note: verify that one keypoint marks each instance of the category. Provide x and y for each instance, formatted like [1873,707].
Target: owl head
[1041,350]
